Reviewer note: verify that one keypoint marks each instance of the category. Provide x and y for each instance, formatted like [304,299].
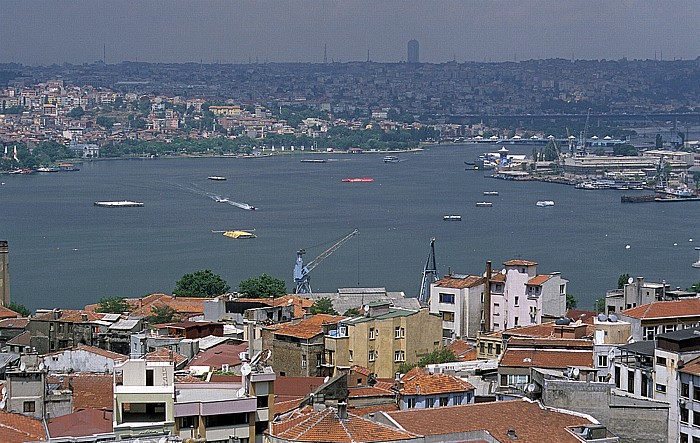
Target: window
[516,379]
[602,361]
[684,438]
[696,418]
[399,332]
[447,298]
[649,332]
[430,402]
[303,361]
[350,355]
[517,301]
[399,356]
[696,439]
[617,377]
[562,289]
[371,355]
[187,422]
[661,361]
[669,328]
[481,347]
[490,346]
[444,401]
[319,360]
[29,406]
[149,377]
[696,393]
[371,333]
[458,399]
[660,388]
[685,390]
[448,316]
[630,382]
[517,321]
[262,401]
[411,402]
[498,349]
[684,415]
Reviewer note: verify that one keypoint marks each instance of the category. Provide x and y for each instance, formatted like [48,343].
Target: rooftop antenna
[430,275]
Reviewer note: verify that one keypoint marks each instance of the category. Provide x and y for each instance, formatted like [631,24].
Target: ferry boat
[119,204]
[484,204]
[545,203]
[47,169]
[452,217]
[216,178]
[490,192]
[358,180]
[391,159]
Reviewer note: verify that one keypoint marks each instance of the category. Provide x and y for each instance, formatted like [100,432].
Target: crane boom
[301,271]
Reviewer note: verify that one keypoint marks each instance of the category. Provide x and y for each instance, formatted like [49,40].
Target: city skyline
[298,31]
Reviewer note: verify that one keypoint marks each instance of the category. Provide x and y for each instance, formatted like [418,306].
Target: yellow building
[225,110]
[382,339]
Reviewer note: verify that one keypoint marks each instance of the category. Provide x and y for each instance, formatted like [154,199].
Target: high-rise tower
[413,51]
[4,273]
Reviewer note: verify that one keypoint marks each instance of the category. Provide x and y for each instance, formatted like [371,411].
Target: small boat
[452,217]
[312,160]
[237,233]
[47,169]
[545,203]
[358,180]
[216,178]
[484,204]
[119,204]
[391,159]
[697,263]
[490,192]
[67,167]
[219,199]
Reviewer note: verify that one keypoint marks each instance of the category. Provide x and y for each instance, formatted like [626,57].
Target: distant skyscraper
[413,51]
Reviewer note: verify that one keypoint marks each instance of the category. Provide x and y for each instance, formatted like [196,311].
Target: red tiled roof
[498,278]
[307,328]
[691,367]
[543,330]
[417,382]
[282,407]
[664,309]
[364,410]
[452,282]
[549,343]
[325,426]
[520,263]
[367,391]
[463,350]
[530,422]
[18,323]
[17,428]
[580,314]
[545,358]
[301,304]
[223,354]
[81,423]
[92,391]
[70,315]
[360,370]
[8,313]
[538,280]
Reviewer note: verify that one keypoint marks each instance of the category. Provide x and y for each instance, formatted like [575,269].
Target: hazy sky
[56,31]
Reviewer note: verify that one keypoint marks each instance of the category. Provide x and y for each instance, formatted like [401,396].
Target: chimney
[486,326]
[342,410]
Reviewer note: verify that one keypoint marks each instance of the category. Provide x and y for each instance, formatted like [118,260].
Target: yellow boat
[239,234]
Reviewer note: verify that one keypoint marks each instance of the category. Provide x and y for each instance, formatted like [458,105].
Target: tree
[202,283]
[105,122]
[113,305]
[437,356]
[323,306]
[163,314]
[571,302]
[262,286]
[20,309]
[76,112]
[352,312]
[622,280]
[694,288]
[659,143]
[600,304]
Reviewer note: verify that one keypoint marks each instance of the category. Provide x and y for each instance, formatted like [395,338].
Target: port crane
[430,275]
[301,271]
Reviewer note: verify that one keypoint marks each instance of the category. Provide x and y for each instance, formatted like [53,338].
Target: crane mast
[301,271]
[430,275]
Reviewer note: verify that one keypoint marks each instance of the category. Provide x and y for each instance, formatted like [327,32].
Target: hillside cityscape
[502,353]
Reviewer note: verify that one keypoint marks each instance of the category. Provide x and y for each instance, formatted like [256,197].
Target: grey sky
[42,32]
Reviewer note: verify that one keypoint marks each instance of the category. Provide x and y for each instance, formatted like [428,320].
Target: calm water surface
[65,252]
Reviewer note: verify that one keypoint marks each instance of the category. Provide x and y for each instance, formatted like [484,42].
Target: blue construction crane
[430,275]
[301,271]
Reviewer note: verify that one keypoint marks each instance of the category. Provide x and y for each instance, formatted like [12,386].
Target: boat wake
[218,198]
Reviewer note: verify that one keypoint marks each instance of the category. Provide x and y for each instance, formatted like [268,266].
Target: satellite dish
[503,271]
[602,317]
[241,392]
[245,369]
[576,372]
[612,318]
[366,309]
[22,367]
[41,366]
[530,388]
[325,380]
[630,280]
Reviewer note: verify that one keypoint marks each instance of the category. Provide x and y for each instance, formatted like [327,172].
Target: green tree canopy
[694,288]
[622,280]
[352,312]
[113,305]
[20,309]
[202,283]
[439,355]
[323,306]
[163,314]
[571,301]
[262,286]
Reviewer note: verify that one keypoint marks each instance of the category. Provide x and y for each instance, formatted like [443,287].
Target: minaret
[4,273]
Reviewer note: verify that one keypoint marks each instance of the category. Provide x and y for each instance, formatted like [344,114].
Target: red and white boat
[358,180]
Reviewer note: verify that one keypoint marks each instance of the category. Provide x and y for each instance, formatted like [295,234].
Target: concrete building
[420,390]
[636,292]
[357,298]
[649,320]
[82,359]
[382,339]
[610,333]
[689,402]
[413,52]
[632,369]
[4,273]
[458,299]
[28,392]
